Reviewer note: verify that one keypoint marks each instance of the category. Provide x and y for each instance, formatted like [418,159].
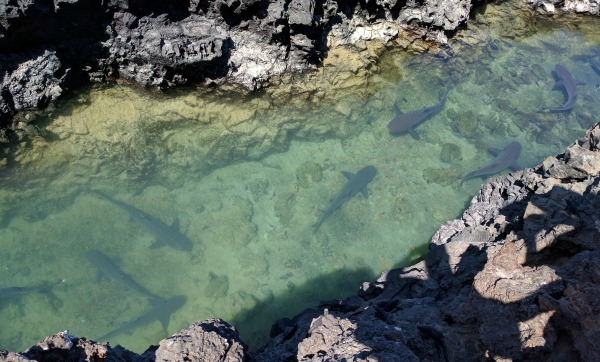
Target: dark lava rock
[210,340]
[517,277]
[146,49]
[63,347]
[47,48]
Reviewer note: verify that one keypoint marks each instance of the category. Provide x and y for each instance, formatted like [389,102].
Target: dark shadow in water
[254,324]
[457,322]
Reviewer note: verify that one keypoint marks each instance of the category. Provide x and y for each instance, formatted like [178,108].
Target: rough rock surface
[517,277]
[48,48]
[579,6]
[212,340]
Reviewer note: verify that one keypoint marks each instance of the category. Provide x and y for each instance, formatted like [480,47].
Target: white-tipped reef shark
[161,311]
[165,234]
[108,268]
[565,80]
[406,122]
[356,183]
[13,291]
[505,158]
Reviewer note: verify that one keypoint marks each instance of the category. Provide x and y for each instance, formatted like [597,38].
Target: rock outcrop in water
[48,48]
[517,277]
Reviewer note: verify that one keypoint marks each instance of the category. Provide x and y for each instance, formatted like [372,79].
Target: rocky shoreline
[248,43]
[515,278]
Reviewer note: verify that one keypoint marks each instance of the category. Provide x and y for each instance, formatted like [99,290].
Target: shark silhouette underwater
[406,122]
[505,158]
[164,234]
[45,288]
[106,267]
[356,183]
[161,311]
[565,81]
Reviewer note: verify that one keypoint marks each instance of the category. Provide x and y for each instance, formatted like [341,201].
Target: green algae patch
[450,153]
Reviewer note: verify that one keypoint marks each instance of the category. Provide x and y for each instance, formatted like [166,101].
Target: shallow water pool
[245,177]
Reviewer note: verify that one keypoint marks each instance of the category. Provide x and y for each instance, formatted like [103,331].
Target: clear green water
[247,176]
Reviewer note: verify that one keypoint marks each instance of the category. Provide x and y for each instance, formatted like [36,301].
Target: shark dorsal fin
[365,192]
[515,166]
[158,244]
[413,133]
[559,84]
[164,321]
[494,151]
[349,175]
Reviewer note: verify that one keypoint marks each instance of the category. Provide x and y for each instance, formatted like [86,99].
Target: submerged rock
[443,176]
[450,153]
[307,173]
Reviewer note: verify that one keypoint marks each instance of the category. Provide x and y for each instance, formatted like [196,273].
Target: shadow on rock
[516,278]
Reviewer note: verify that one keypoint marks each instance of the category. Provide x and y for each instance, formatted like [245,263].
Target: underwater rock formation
[48,48]
[516,277]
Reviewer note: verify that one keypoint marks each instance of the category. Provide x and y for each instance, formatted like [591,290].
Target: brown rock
[505,279]
[210,340]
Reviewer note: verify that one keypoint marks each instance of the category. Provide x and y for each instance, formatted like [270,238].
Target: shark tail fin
[365,192]
[494,151]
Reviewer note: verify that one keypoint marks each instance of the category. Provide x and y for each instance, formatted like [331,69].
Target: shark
[164,234]
[161,311]
[570,85]
[13,291]
[505,158]
[108,268]
[356,183]
[405,122]
[595,67]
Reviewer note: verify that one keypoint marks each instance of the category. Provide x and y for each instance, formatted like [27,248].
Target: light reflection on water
[245,181]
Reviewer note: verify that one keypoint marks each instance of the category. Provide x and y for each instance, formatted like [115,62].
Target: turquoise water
[246,176]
